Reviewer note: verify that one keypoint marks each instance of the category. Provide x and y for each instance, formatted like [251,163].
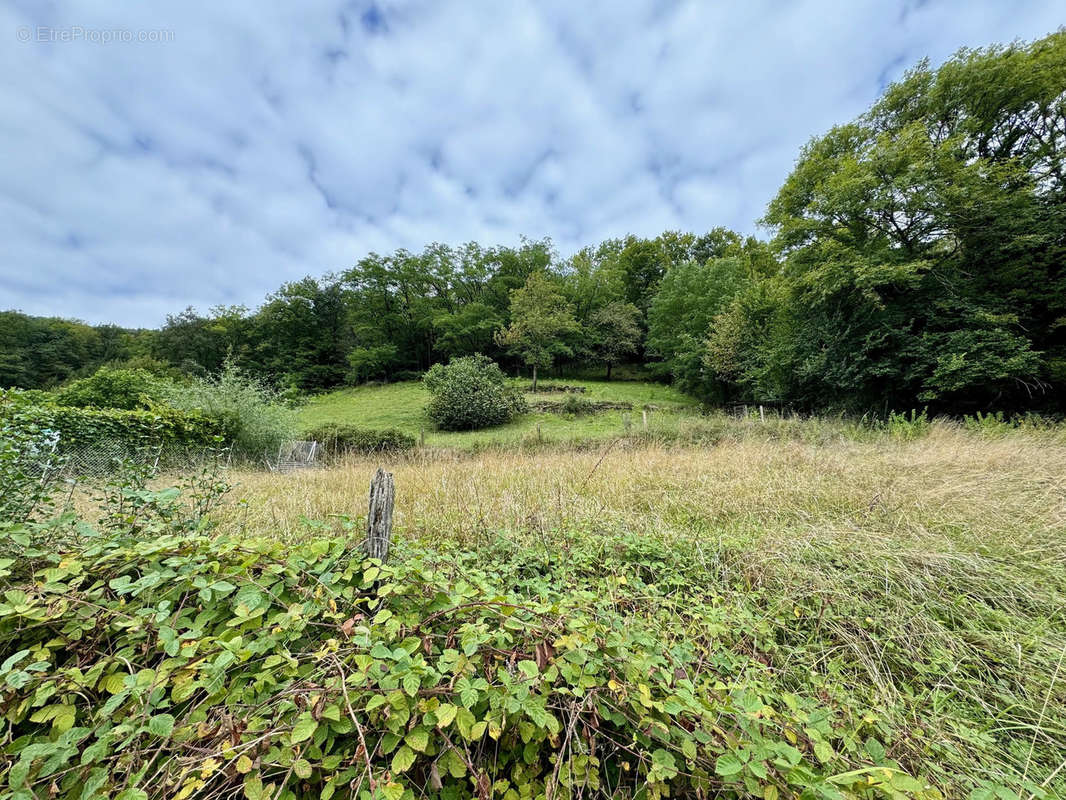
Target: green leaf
[688,747]
[161,724]
[404,758]
[529,668]
[464,721]
[824,751]
[418,739]
[728,764]
[303,730]
[64,719]
[411,683]
[445,714]
[302,768]
[875,749]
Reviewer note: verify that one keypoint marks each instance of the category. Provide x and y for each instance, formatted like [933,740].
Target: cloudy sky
[202,154]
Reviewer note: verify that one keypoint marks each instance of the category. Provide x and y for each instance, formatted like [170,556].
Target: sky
[162,155]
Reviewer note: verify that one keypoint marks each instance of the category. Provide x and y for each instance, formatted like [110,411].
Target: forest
[914,257]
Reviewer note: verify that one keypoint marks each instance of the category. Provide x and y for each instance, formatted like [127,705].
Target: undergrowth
[153,654]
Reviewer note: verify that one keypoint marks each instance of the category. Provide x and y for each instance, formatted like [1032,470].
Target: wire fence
[107,457]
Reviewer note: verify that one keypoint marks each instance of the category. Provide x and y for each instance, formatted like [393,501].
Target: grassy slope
[400,405]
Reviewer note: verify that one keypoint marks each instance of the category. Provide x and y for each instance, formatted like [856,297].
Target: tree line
[916,258]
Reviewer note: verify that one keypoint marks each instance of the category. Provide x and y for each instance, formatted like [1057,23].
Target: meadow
[720,606]
[402,406]
[915,578]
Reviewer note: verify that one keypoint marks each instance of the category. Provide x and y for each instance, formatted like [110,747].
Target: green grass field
[402,406]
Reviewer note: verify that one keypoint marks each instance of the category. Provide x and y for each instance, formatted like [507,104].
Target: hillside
[402,406]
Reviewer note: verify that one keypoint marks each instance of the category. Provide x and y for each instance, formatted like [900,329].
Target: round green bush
[470,393]
[126,389]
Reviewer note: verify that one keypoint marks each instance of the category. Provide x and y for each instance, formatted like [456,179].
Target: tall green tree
[925,243]
[541,323]
[612,333]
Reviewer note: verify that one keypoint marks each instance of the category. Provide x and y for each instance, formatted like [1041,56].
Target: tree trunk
[534,377]
[608,370]
[379,516]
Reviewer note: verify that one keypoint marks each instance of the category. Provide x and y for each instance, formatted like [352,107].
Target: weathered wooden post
[379,516]
[644,418]
[540,437]
[762,415]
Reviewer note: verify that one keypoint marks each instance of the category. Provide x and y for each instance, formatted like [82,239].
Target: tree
[541,319]
[690,296]
[924,246]
[612,333]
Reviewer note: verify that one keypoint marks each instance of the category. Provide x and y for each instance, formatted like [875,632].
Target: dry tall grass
[923,574]
[947,492]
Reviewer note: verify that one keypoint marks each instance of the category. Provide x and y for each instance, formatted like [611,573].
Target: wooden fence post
[379,516]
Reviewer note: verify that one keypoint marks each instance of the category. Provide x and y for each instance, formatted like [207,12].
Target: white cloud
[264,143]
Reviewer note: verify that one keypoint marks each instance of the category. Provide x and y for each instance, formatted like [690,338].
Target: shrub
[108,387]
[577,406]
[249,413]
[84,427]
[469,393]
[908,426]
[339,440]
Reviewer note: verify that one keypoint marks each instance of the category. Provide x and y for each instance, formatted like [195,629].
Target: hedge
[339,440]
[81,427]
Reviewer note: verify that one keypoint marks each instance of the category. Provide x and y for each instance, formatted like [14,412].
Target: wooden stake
[379,516]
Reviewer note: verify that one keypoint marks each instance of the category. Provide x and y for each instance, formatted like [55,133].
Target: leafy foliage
[308,672]
[340,439]
[612,333]
[470,393]
[541,321]
[907,234]
[251,417]
[109,387]
[83,427]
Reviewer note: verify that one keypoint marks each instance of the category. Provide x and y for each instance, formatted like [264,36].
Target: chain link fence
[107,457]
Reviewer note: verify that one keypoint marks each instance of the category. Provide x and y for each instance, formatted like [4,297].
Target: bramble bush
[178,664]
[470,393]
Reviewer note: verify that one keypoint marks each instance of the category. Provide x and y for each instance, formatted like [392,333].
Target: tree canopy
[917,258]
